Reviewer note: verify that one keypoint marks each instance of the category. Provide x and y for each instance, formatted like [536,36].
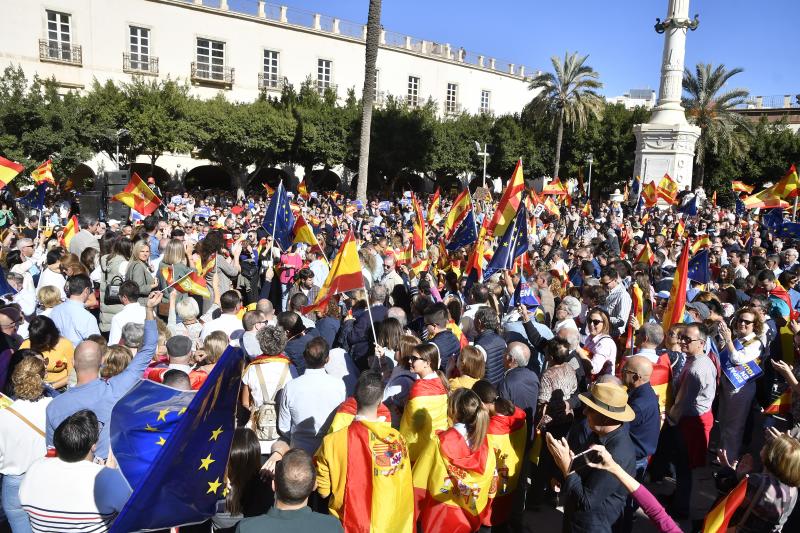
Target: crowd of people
[430,399]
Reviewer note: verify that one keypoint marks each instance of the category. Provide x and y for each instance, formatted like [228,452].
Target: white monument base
[665,149]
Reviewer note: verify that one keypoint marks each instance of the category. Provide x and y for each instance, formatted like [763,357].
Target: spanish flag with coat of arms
[366,470]
[453,484]
[506,436]
[424,414]
[138,196]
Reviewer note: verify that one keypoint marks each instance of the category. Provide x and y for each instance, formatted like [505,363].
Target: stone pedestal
[665,149]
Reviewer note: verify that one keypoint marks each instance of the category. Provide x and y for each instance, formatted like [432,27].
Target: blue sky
[617,34]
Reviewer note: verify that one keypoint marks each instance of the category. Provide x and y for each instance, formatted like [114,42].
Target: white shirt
[228,324]
[130,313]
[48,277]
[342,366]
[81,496]
[306,407]
[320,270]
[20,445]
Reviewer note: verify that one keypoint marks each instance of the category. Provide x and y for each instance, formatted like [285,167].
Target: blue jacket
[520,386]
[495,348]
[360,337]
[328,327]
[294,349]
[645,428]
[448,347]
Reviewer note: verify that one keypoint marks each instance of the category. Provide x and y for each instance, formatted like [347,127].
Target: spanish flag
[456,330]
[461,207]
[433,207]
[668,190]
[418,267]
[191,283]
[714,199]
[717,519]
[509,203]
[365,470]
[650,194]
[70,230]
[645,218]
[661,381]
[203,270]
[680,229]
[245,309]
[738,186]
[302,190]
[8,171]
[138,196]
[424,414]
[551,207]
[788,186]
[270,190]
[555,187]
[646,255]
[587,209]
[782,405]
[701,243]
[677,295]
[453,484]
[346,413]
[506,436]
[345,274]
[419,226]
[44,174]
[475,260]
[404,256]
[302,232]
[765,199]
[637,311]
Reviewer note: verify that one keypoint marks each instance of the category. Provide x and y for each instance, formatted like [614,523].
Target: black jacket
[448,347]
[495,348]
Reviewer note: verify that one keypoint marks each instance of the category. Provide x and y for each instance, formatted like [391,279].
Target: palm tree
[722,130]
[368,96]
[567,95]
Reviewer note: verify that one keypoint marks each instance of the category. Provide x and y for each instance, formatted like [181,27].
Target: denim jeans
[17,517]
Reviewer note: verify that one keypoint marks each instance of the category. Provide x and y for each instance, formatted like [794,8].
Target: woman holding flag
[455,476]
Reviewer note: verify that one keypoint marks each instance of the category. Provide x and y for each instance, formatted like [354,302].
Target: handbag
[265,417]
[111,296]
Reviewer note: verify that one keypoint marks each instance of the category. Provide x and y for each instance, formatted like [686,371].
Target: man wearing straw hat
[594,502]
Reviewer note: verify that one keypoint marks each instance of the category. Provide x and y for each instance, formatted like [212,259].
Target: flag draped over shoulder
[513,244]
[138,196]
[345,274]
[506,436]
[718,518]
[8,171]
[461,207]
[509,203]
[346,413]
[367,472]
[677,294]
[424,414]
[187,475]
[44,174]
[279,220]
[452,485]
[70,230]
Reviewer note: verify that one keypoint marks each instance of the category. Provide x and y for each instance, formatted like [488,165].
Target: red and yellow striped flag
[433,207]
[404,256]
[668,190]
[190,283]
[714,199]
[650,194]
[717,519]
[506,436]
[551,207]
[646,255]
[427,397]
[702,242]
[419,226]
[680,229]
[203,270]
[365,470]
[345,275]
[70,230]
[738,186]
[44,174]
[302,190]
[788,186]
[661,381]
[302,232]
[138,196]
[782,404]
[677,294]
[245,309]
[456,330]
[556,188]
[587,209]
[765,199]
[637,311]
[8,171]
[509,203]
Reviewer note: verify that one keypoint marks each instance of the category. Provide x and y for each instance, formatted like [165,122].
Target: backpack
[265,417]
[111,296]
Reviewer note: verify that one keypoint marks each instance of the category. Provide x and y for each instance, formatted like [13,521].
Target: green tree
[723,132]
[157,117]
[241,137]
[368,95]
[512,140]
[107,113]
[453,150]
[567,96]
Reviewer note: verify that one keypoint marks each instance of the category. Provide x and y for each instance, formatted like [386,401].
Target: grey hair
[572,336]
[272,340]
[399,314]
[187,309]
[572,304]
[132,335]
[520,353]
[653,332]
[377,294]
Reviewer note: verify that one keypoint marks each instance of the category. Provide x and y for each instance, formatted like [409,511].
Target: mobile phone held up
[581,461]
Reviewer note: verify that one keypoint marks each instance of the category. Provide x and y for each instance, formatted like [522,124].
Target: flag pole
[275,222]
[369,307]
[794,211]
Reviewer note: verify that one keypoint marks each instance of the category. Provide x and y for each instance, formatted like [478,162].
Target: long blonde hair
[466,407]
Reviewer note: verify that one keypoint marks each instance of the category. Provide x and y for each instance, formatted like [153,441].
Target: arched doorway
[207,177]
[144,170]
[82,178]
[272,176]
[324,179]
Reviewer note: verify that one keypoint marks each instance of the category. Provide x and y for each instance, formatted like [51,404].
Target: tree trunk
[559,138]
[368,96]
[239,177]
[699,176]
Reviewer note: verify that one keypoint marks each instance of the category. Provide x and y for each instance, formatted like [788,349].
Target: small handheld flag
[279,220]
[70,230]
[717,519]
[345,274]
[44,174]
[8,171]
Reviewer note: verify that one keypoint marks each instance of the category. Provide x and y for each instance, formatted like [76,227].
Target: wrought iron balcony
[60,52]
[203,73]
[321,86]
[267,82]
[139,64]
[452,108]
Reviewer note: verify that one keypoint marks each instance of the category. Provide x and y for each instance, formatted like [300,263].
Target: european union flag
[513,244]
[788,230]
[698,268]
[335,209]
[279,219]
[183,443]
[740,209]
[465,235]
[523,295]
[773,218]
[636,188]
[35,198]
[690,207]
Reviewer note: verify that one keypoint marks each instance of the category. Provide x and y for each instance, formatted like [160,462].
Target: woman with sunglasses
[599,350]
[742,345]
[425,412]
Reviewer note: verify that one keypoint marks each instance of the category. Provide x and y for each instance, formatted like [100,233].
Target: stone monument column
[665,145]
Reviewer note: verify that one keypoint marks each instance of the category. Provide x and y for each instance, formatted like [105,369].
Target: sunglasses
[747,322]
[595,322]
[413,359]
[687,340]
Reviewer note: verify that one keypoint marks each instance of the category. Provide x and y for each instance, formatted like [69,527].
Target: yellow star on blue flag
[513,243]
[279,220]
